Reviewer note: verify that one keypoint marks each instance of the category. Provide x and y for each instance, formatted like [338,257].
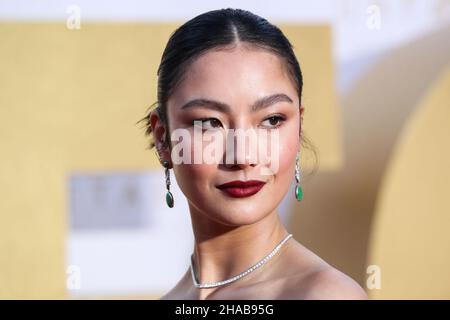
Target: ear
[159,134]
[302,110]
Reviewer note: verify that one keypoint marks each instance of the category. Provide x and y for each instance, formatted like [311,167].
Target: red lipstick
[241,189]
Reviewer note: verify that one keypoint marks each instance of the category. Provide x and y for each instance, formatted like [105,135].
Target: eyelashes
[207,123]
[272,122]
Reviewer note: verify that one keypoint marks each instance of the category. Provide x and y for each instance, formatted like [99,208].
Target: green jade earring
[298,188]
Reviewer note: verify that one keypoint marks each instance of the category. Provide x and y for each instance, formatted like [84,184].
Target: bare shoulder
[321,281]
[328,283]
[180,291]
[169,295]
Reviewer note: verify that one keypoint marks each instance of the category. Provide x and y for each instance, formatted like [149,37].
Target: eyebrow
[259,104]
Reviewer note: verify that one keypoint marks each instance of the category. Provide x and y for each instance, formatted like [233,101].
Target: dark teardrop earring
[169,196]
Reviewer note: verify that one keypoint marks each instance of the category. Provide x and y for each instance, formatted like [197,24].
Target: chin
[238,214]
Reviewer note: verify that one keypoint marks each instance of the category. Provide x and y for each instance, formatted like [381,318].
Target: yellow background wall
[410,240]
[69,100]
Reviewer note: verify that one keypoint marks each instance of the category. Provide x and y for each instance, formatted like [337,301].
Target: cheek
[194,177]
[287,161]
[289,144]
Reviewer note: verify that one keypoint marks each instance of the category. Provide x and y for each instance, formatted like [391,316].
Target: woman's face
[237,78]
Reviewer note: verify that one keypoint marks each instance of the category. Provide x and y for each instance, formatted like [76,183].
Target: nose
[240,151]
[240,162]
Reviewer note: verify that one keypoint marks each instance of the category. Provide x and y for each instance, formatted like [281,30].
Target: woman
[227,70]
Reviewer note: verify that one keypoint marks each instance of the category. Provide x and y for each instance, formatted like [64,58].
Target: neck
[222,251]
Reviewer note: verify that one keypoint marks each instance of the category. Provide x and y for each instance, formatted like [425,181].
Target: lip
[241,189]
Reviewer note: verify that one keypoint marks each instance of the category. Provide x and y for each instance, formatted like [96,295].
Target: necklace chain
[237,277]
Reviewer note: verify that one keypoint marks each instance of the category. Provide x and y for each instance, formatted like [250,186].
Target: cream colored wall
[69,100]
[335,216]
[410,240]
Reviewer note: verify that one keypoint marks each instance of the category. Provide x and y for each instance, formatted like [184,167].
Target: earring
[298,188]
[169,196]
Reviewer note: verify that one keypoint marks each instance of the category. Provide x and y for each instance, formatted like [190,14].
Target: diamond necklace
[237,277]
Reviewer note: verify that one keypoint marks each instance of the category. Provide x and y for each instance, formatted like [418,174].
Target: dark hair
[214,30]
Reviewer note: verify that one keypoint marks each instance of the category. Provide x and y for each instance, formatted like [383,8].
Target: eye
[273,122]
[208,123]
